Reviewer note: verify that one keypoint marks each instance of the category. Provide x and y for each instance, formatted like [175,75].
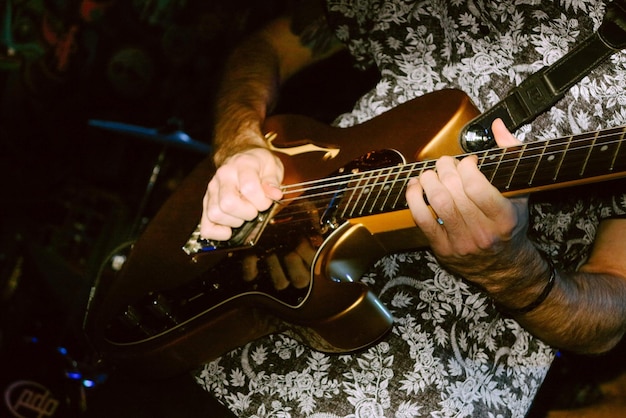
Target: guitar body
[163,311]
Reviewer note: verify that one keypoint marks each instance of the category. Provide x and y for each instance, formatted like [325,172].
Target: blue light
[88,383]
[74,375]
[62,350]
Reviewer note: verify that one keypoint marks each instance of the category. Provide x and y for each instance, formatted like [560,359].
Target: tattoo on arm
[310,24]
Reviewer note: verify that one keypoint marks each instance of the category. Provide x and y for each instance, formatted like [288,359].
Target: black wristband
[540,299]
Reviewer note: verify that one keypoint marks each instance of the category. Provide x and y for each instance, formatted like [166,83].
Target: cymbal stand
[139,222]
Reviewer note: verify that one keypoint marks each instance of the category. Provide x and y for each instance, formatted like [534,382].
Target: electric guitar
[169,301]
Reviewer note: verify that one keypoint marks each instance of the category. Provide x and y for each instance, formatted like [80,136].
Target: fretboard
[542,165]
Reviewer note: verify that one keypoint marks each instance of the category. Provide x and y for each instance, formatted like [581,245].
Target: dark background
[70,192]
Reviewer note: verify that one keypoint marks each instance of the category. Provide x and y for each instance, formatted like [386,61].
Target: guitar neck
[543,165]
[557,163]
[532,167]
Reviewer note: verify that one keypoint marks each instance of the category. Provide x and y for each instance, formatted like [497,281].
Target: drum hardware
[171,135]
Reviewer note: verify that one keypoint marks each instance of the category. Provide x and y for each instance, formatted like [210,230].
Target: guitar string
[499,154]
[341,179]
[320,200]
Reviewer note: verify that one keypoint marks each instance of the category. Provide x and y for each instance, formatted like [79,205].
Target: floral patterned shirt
[450,353]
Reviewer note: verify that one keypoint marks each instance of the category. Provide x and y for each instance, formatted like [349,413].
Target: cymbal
[174,137]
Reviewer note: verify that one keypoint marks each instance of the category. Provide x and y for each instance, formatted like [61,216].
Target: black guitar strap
[545,87]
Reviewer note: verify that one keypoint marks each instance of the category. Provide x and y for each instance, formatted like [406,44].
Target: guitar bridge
[245,236]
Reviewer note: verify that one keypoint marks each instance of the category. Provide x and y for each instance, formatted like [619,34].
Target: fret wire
[404,179]
[558,167]
[481,162]
[539,160]
[491,180]
[363,186]
[528,164]
[354,190]
[593,143]
[357,193]
[521,153]
[601,154]
[397,188]
[547,144]
[391,188]
[364,192]
[412,164]
[398,172]
[410,173]
[401,195]
[373,196]
[382,188]
[617,149]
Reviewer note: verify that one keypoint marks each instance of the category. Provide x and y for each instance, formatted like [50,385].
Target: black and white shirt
[450,354]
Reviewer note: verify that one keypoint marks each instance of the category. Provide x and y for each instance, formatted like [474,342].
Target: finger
[253,191]
[208,229]
[478,189]
[448,175]
[258,176]
[423,214]
[503,136]
[272,190]
[493,208]
[306,251]
[213,231]
[226,206]
[272,178]
[277,274]
[249,267]
[297,270]
[447,196]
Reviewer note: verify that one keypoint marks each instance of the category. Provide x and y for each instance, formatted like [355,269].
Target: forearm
[248,89]
[253,76]
[583,312]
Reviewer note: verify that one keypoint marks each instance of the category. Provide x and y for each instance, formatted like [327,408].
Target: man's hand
[246,184]
[471,227]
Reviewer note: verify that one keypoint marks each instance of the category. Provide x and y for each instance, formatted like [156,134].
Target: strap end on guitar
[545,87]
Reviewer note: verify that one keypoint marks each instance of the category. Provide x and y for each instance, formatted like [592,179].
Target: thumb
[272,191]
[272,176]
[503,137]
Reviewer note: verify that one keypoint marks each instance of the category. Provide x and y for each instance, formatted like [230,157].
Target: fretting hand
[477,232]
